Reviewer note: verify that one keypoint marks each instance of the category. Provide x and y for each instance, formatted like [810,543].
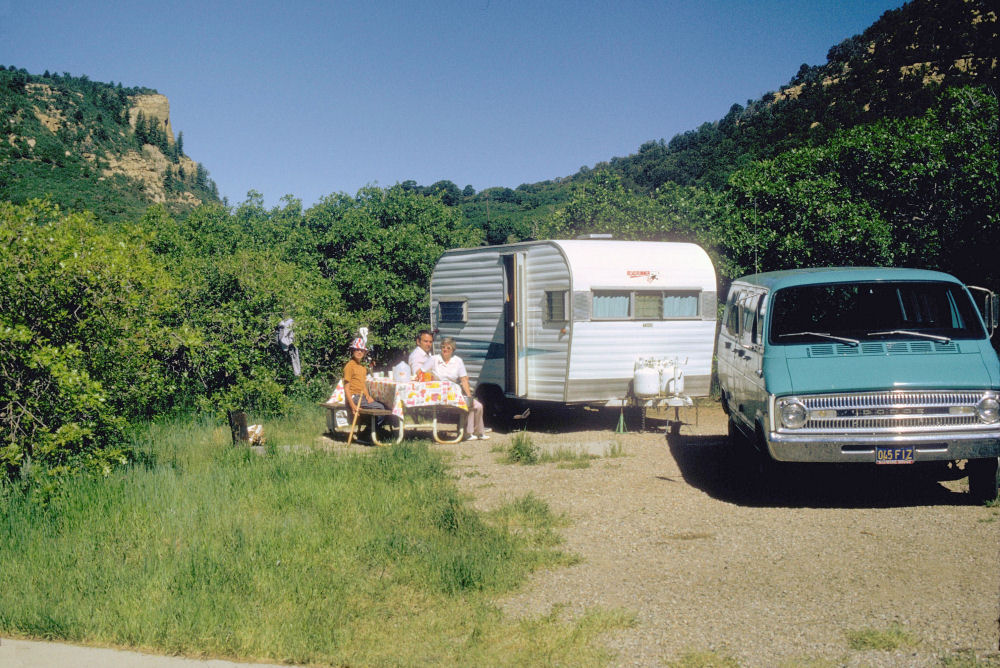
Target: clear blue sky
[313,98]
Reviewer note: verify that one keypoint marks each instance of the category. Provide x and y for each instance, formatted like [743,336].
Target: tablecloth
[413,394]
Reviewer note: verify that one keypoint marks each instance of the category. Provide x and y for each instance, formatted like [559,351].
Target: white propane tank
[646,382]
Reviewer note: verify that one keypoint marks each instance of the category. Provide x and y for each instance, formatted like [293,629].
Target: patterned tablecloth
[400,396]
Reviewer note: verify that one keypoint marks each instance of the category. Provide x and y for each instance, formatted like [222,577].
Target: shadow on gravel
[710,464]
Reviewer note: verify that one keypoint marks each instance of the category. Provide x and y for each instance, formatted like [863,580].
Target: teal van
[868,365]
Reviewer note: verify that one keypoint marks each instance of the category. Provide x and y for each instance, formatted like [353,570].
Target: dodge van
[870,365]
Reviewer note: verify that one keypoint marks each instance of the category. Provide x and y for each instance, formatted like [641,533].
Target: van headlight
[793,413]
[988,409]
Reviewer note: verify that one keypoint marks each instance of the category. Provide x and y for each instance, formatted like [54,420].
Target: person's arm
[347,395]
[464,380]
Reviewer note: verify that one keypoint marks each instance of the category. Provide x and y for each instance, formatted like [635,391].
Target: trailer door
[515,362]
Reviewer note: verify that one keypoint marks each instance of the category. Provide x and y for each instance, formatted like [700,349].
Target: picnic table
[414,404]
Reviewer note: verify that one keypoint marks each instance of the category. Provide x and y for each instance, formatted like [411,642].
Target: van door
[515,362]
[727,350]
[753,397]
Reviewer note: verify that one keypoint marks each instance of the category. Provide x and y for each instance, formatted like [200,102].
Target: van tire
[984,483]
[737,439]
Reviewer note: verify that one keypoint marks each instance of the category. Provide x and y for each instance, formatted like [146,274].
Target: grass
[299,556]
[893,638]
[522,450]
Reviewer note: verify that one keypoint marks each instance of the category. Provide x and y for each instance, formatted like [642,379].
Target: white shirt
[420,361]
[452,370]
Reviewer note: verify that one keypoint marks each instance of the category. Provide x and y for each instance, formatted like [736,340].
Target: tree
[379,248]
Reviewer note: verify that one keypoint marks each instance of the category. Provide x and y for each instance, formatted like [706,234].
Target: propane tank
[646,382]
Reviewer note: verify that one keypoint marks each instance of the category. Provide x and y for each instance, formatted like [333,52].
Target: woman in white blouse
[449,366]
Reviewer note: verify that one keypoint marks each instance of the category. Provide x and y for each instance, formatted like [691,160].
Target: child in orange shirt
[355,372]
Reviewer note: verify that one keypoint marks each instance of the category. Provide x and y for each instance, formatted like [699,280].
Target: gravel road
[709,560]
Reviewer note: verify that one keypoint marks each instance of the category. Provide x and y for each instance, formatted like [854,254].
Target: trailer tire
[496,412]
[984,482]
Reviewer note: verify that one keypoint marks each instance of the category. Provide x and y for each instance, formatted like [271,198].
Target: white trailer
[566,321]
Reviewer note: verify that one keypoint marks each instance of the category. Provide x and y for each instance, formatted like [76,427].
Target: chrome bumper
[860,448]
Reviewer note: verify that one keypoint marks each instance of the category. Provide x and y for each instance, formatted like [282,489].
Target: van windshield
[883,310]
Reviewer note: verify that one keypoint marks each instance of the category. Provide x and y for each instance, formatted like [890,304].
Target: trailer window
[611,305]
[680,304]
[555,305]
[453,311]
[646,304]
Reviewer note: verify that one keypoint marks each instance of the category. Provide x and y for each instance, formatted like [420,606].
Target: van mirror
[990,308]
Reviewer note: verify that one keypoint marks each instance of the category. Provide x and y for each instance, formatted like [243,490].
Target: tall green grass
[300,555]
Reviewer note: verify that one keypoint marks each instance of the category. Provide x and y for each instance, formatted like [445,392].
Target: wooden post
[238,427]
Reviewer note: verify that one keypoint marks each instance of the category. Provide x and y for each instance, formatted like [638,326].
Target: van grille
[892,411]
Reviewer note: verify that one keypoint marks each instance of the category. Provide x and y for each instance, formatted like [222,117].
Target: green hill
[95,146]
[894,69]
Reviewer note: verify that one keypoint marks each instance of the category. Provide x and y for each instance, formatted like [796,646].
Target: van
[863,365]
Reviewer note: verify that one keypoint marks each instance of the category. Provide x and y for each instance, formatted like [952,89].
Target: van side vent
[820,351]
[849,351]
[872,348]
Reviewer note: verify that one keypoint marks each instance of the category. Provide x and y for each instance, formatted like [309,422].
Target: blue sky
[312,98]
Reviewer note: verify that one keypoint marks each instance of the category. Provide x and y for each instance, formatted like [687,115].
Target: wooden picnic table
[415,405]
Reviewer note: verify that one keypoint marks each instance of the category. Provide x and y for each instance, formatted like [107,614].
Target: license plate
[893,455]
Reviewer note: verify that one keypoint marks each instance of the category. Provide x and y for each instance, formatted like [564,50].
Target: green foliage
[379,249]
[920,191]
[76,306]
[522,449]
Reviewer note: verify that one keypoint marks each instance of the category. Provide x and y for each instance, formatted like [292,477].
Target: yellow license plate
[901,455]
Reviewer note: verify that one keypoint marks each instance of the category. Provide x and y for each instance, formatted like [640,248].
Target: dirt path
[710,561]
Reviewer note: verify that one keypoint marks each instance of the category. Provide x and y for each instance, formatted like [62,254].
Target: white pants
[474,423]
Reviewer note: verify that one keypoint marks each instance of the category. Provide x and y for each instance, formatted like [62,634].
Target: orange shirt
[354,377]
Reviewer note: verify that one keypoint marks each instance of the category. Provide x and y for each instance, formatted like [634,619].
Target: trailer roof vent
[601,235]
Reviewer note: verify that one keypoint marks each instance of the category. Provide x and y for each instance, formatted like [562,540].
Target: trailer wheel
[984,482]
[496,412]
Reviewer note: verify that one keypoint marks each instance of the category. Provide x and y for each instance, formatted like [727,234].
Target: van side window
[733,314]
[758,332]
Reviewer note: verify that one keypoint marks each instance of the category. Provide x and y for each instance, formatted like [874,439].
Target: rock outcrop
[152,106]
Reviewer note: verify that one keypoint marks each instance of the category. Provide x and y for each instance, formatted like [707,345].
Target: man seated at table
[355,390]
[421,361]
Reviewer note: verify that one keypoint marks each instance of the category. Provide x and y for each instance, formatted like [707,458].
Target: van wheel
[737,439]
[984,483]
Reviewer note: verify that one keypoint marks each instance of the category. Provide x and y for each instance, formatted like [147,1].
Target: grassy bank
[298,556]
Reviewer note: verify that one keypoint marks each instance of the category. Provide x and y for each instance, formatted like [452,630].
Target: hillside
[95,146]
[894,69]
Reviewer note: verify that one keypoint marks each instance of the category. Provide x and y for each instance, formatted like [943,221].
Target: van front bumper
[927,446]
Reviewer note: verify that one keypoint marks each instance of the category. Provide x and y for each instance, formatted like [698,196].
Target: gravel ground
[767,574]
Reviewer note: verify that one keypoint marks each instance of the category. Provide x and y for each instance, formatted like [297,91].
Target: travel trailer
[571,321]
[865,365]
